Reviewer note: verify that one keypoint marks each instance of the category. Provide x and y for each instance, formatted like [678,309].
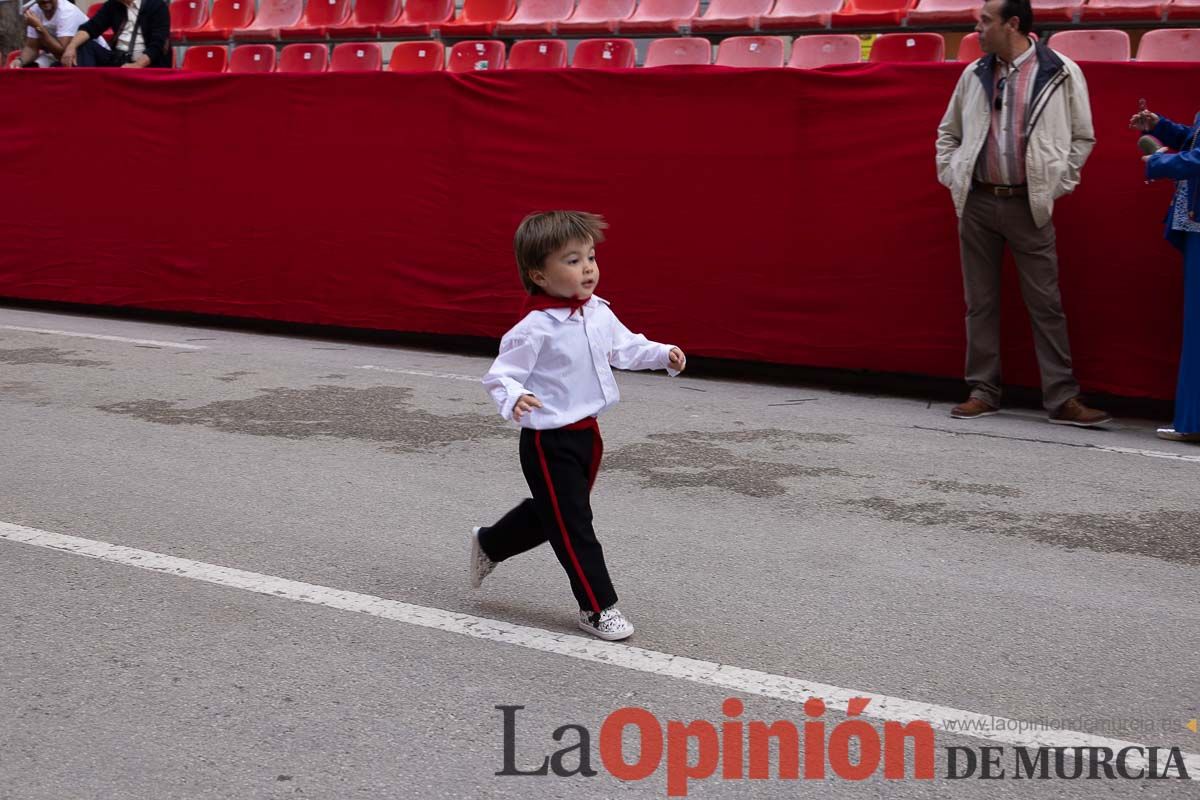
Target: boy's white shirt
[565,360]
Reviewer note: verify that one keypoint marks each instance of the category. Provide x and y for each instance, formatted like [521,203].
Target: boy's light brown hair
[542,233]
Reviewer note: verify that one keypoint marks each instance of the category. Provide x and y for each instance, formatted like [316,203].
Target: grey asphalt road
[1001,566]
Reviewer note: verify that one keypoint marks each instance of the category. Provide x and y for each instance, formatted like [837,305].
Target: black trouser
[93,54]
[560,466]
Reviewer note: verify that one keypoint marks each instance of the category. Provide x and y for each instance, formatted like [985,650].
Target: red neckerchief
[540,302]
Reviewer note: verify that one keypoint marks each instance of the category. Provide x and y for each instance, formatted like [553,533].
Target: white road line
[425,373]
[708,673]
[153,342]
[1130,451]
[1150,453]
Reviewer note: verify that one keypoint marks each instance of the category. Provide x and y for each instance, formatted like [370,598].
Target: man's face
[48,7]
[992,29]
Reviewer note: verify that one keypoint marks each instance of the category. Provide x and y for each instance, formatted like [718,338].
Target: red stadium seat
[356,57]
[187,16]
[273,16]
[1103,10]
[750,51]
[366,19]
[538,54]
[906,47]
[1169,44]
[679,51]
[252,58]
[790,14]
[1094,45]
[597,16]
[420,18]
[479,18]
[319,16]
[821,50]
[1183,9]
[872,13]
[536,16]
[969,49]
[605,54]
[660,16]
[945,12]
[418,57]
[225,17]
[732,15]
[476,56]
[1048,10]
[304,58]
[206,58]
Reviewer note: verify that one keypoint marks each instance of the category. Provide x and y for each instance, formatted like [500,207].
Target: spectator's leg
[92,54]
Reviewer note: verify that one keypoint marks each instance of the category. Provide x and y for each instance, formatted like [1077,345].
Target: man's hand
[1143,121]
[131,65]
[68,56]
[33,21]
[677,359]
[525,404]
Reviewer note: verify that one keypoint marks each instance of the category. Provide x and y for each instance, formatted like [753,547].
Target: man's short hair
[1022,10]
[542,233]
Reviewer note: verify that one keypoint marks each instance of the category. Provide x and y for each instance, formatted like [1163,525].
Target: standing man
[1013,140]
[50,25]
[143,31]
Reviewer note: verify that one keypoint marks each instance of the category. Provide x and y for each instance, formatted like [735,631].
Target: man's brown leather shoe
[1076,413]
[973,409]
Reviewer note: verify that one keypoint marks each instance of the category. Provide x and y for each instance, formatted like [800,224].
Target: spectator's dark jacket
[154,21]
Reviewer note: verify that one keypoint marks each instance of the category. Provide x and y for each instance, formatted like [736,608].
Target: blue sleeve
[1172,134]
[1178,166]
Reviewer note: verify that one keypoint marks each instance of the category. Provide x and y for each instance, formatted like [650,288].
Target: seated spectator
[142,31]
[51,24]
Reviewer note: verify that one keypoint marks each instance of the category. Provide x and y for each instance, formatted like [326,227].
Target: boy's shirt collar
[562,314]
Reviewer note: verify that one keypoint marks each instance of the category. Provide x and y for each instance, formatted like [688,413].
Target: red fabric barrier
[776,215]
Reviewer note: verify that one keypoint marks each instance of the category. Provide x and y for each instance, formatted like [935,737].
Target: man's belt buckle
[1004,191]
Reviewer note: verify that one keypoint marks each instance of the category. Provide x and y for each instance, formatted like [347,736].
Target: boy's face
[570,271]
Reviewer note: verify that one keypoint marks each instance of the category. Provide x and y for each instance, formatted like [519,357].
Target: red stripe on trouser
[587,587]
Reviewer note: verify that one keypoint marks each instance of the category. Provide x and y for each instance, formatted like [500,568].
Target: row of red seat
[808,52]
[196,20]
[488,54]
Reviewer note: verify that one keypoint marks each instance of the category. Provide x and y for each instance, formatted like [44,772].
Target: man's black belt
[1000,190]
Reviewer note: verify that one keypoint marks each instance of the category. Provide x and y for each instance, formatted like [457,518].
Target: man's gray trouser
[988,223]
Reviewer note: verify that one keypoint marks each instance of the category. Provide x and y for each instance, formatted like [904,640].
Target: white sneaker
[481,565]
[610,624]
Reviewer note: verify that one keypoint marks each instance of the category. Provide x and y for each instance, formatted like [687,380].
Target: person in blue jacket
[1183,231]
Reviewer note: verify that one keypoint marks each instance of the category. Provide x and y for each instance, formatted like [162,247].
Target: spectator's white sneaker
[610,624]
[481,565]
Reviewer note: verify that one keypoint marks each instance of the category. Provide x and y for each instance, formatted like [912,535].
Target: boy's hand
[676,359]
[525,404]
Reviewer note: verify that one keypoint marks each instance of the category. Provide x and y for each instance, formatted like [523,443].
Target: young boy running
[554,377]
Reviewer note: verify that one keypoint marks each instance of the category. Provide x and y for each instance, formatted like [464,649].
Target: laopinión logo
[737,749]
